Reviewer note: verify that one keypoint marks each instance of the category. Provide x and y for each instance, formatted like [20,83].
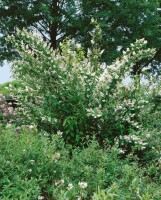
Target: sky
[5,73]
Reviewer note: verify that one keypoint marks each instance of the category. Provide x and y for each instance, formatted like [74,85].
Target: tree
[121,21]
[50,18]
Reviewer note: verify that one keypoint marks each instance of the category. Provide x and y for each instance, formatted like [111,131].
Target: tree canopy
[121,21]
[50,18]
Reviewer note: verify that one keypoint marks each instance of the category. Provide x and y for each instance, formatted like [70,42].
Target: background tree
[121,21]
[50,18]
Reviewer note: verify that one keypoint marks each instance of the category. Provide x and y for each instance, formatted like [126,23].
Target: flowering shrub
[7,113]
[75,94]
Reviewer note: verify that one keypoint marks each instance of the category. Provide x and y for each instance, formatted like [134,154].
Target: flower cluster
[59,182]
[133,140]
[7,113]
[82,185]
[70,186]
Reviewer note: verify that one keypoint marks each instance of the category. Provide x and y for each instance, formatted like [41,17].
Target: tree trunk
[54,24]
[136,69]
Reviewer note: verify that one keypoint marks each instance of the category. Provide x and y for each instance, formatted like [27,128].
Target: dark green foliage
[121,21]
[50,18]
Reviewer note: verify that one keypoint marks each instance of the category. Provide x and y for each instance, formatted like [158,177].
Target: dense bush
[78,96]
[34,167]
[4,88]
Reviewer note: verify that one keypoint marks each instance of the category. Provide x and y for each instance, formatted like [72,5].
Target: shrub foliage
[77,95]
[42,168]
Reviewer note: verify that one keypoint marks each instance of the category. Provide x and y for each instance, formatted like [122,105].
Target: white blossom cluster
[70,186]
[138,142]
[82,185]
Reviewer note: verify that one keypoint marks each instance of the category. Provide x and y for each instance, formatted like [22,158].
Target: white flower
[122,151]
[92,41]
[7,162]
[59,182]
[43,118]
[31,127]
[57,156]
[8,125]
[32,162]
[70,186]
[60,133]
[82,184]
[40,197]
[159,160]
